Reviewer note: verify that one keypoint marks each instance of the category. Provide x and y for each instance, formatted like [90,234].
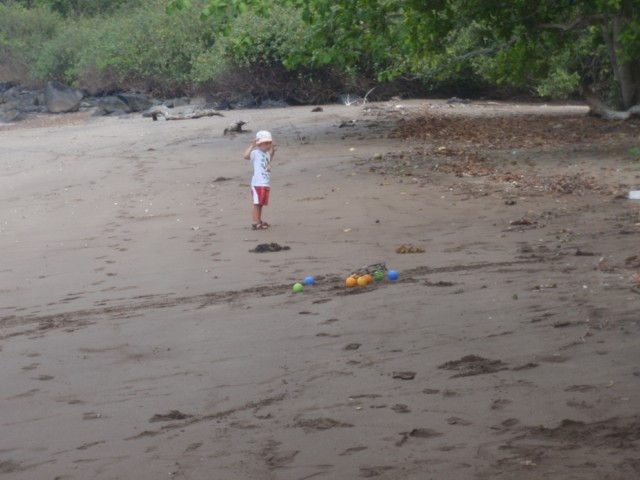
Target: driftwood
[163,111]
[598,108]
[235,127]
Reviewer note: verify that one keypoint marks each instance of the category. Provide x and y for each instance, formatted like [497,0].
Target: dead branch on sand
[163,111]
[598,108]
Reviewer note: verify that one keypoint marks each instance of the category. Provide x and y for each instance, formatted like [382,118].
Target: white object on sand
[634,195]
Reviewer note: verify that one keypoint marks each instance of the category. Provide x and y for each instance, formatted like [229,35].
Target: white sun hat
[263,136]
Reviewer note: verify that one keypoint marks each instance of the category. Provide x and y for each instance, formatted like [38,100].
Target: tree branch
[472,53]
[598,108]
[578,23]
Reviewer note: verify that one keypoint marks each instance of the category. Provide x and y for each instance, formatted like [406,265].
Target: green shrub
[22,33]
[251,58]
[58,58]
[559,84]
[142,49]
[69,8]
[252,40]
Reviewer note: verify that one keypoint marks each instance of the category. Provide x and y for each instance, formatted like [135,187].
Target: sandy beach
[141,339]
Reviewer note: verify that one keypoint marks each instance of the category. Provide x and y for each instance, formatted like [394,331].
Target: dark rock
[269,103]
[4,86]
[218,104]
[61,98]
[235,127]
[453,100]
[177,102]
[247,101]
[10,114]
[15,104]
[9,94]
[112,105]
[39,100]
[136,101]
[156,111]
[87,104]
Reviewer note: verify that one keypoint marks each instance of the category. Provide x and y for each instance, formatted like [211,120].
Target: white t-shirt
[260,160]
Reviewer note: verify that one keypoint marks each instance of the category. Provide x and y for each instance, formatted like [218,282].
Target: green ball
[297,287]
[378,275]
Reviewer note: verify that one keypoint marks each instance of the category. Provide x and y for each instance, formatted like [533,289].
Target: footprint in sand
[329,321]
[352,450]
[458,421]
[500,403]
[401,408]
[580,388]
[368,472]
[29,393]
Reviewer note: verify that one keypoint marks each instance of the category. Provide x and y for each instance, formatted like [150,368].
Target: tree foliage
[551,45]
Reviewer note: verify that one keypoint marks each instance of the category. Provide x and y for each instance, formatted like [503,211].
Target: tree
[516,42]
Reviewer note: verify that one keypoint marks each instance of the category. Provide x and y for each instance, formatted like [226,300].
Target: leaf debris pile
[514,131]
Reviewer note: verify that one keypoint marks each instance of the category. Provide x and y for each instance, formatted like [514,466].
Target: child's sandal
[259,226]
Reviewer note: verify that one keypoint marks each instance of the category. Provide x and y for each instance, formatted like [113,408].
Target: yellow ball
[362,281]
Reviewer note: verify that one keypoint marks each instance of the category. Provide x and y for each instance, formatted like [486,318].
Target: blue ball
[393,275]
[309,281]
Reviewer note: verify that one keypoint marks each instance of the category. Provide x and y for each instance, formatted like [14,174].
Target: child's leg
[257,214]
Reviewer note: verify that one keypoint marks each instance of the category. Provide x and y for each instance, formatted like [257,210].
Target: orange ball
[350,282]
[369,278]
[362,281]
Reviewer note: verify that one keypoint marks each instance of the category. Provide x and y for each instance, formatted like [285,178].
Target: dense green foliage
[133,48]
[553,48]
[136,45]
[22,32]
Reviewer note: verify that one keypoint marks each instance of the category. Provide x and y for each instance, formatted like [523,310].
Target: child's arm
[247,152]
[272,154]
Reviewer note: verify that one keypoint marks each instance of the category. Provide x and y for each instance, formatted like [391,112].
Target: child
[261,153]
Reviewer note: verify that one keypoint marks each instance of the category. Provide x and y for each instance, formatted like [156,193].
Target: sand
[139,337]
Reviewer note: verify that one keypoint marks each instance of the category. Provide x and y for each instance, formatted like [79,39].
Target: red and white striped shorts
[260,195]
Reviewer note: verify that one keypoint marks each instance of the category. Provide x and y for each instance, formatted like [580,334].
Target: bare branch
[598,108]
[162,111]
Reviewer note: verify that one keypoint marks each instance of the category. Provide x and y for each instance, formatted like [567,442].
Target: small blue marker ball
[309,281]
[393,275]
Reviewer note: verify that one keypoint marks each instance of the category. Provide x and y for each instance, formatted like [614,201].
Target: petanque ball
[297,287]
[309,281]
[378,275]
[393,275]
[362,281]
[350,282]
